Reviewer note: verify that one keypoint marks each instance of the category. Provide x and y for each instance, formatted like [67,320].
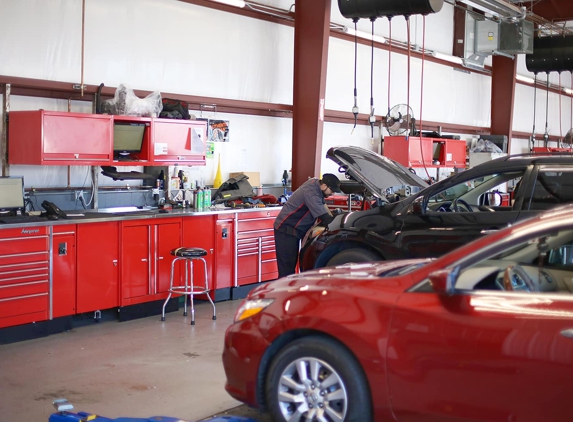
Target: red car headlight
[250,308]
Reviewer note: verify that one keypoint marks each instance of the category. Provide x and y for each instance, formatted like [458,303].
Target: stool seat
[189,252]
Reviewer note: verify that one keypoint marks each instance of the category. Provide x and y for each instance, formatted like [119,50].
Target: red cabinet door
[135,261]
[199,232]
[64,271]
[58,138]
[168,237]
[179,142]
[454,153]
[224,243]
[409,151]
[97,266]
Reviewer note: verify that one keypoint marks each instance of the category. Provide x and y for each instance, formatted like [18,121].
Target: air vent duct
[551,54]
[368,9]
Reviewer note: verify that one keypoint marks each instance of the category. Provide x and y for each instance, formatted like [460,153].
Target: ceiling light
[236,3]
[499,8]
[525,79]
[364,35]
[447,57]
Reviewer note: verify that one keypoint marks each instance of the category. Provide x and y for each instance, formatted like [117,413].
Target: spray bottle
[207,197]
[200,199]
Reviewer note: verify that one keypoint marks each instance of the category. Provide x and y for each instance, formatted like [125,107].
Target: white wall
[176,47]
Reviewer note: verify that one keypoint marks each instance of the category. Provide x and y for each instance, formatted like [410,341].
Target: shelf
[43,137]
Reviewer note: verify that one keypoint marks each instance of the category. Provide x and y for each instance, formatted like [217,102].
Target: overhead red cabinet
[51,137]
[181,141]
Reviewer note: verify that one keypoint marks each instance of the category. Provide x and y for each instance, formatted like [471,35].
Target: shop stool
[188,256]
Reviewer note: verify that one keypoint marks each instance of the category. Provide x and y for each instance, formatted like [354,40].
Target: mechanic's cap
[331,181]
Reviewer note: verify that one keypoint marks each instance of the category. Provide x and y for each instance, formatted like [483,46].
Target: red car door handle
[567,333]
[489,231]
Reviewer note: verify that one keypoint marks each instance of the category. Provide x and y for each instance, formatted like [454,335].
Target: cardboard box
[254,177]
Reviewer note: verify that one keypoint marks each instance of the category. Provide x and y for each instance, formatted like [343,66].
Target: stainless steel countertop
[91,216]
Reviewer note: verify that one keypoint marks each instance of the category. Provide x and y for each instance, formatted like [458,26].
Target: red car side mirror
[444,281]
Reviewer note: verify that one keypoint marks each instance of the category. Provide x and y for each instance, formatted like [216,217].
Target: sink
[127,210]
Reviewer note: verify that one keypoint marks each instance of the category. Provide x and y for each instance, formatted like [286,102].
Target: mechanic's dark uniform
[298,215]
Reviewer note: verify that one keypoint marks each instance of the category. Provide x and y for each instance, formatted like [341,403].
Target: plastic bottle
[195,198]
[200,197]
[207,197]
[161,180]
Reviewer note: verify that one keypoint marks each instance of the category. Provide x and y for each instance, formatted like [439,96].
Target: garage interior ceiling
[551,10]
[550,16]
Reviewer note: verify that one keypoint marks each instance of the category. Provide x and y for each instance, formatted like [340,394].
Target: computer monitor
[127,138]
[11,193]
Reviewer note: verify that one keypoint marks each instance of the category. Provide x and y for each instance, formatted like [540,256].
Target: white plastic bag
[125,102]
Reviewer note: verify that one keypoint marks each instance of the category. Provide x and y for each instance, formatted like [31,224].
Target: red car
[484,333]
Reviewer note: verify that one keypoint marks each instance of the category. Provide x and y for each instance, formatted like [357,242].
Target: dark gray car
[433,219]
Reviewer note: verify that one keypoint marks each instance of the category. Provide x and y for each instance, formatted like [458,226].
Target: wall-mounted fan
[400,120]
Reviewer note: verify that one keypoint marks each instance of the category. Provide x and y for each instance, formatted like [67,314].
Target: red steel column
[311,32]
[502,95]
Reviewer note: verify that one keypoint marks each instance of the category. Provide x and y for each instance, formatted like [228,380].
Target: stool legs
[189,289]
[171,289]
[208,290]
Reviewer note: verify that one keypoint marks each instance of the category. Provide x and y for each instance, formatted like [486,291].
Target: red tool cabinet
[430,152]
[256,256]
[24,275]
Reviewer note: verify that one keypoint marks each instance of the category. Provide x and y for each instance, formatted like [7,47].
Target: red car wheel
[317,379]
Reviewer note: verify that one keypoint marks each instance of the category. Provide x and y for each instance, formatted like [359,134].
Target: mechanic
[299,214]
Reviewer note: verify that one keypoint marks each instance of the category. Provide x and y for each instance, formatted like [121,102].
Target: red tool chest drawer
[24,275]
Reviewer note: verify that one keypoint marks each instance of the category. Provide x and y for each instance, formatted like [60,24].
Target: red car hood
[336,277]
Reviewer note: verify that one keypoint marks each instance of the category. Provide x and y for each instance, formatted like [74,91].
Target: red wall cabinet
[179,141]
[145,258]
[415,152]
[64,270]
[58,138]
[97,266]
[24,275]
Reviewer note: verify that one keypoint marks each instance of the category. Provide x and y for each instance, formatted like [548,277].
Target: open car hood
[376,172]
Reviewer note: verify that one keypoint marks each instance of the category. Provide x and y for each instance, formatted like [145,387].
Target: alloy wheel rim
[311,390]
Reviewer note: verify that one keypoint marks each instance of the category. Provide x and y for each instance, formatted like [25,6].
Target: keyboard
[20,219]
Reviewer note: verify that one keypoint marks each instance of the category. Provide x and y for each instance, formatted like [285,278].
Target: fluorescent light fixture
[236,3]
[499,8]
[525,79]
[364,35]
[568,91]
[447,57]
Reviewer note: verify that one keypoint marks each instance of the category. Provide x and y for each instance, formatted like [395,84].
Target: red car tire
[315,376]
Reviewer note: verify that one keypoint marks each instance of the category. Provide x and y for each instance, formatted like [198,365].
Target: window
[553,186]
[541,264]
[473,192]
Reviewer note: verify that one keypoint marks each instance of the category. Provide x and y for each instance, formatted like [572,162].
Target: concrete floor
[138,368]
